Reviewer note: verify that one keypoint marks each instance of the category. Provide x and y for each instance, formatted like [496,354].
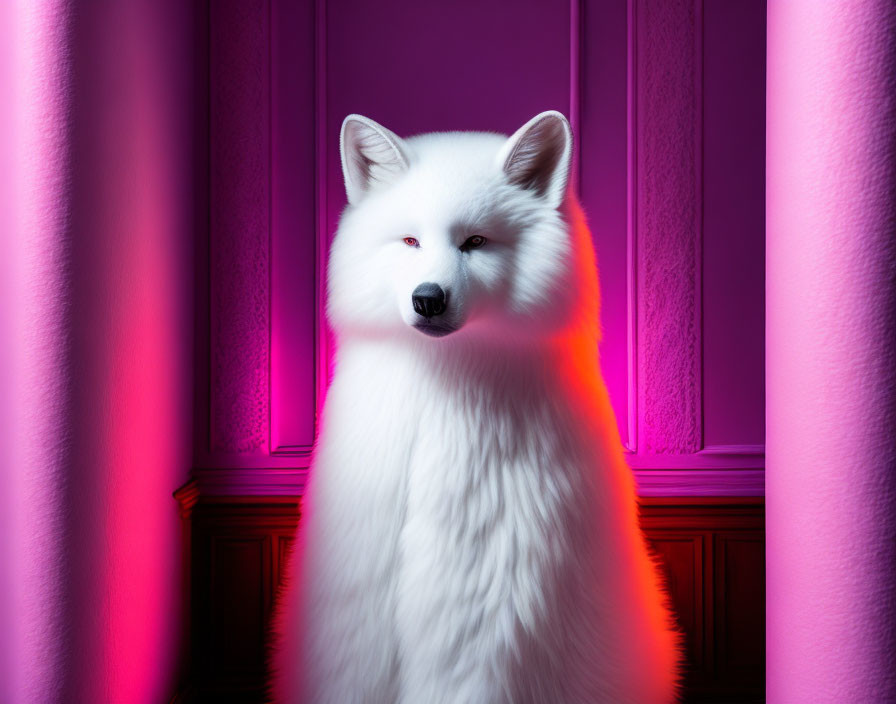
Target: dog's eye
[473,242]
[411,242]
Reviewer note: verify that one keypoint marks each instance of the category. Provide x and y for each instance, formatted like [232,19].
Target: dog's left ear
[371,155]
[537,156]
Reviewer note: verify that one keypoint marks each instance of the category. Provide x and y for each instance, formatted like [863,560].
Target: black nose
[429,300]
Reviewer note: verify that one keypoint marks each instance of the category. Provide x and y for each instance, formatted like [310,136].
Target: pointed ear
[537,156]
[371,155]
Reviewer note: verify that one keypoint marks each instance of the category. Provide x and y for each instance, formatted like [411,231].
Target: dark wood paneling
[681,557]
[236,605]
[739,596]
[239,547]
[711,552]
[717,590]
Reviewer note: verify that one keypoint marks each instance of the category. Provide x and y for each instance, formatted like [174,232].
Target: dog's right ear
[371,156]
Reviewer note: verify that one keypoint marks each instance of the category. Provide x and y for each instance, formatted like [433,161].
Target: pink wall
[831,323]
[100,326]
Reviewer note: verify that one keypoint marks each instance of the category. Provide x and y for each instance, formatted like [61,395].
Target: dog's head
[453,233]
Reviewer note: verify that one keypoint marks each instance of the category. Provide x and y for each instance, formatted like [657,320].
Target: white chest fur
[470,537]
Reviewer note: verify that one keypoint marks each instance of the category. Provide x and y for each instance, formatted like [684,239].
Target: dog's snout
[429,300]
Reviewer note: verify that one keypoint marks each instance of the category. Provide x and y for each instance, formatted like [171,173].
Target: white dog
[469,532]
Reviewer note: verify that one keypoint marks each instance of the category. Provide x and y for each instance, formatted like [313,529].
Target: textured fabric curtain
[831,328]
[97,328]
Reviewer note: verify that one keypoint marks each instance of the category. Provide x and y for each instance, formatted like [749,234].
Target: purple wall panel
[294,231]
[697,175]
[733,222]
[680,257]
[602,139]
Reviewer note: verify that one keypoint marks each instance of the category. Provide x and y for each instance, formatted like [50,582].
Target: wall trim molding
[322,339]
[244,482]
[734,450]
[576,73]
[725,457]
[651,482]
[286,224]
[700,482]
[666,126]
[631,105]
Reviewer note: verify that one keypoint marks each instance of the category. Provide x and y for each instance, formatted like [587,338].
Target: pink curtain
[96,316]
[831,331]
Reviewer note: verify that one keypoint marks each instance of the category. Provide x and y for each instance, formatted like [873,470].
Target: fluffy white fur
[469,532]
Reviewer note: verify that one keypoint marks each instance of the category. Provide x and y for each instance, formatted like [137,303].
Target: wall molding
[631,331]
[698,460]
[681,481]
[700,482]
[323,343]
[298,187]
[734,450]
[667,233]
[241,482]
[576,73]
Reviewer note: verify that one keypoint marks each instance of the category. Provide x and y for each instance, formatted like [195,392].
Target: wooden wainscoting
[712,550]
[713,554]
[237,547]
